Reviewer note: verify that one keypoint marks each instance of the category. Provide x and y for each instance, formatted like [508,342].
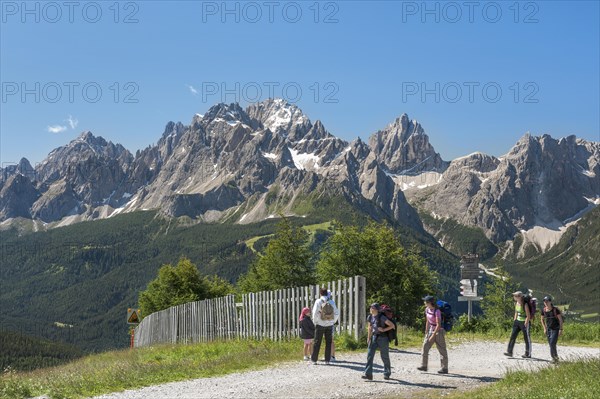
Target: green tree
[285,262]
[180,284]
[497,303]
[393,274]
[218,287]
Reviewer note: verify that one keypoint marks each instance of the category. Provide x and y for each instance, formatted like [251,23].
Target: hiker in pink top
[434,332]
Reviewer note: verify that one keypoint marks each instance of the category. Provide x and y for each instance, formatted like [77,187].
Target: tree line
[395,275]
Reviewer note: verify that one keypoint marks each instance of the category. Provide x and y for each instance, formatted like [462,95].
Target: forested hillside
[74,284]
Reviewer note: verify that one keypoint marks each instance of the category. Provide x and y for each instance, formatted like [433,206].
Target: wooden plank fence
[260,315]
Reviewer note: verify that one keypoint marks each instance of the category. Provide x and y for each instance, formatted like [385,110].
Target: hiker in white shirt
[325,314]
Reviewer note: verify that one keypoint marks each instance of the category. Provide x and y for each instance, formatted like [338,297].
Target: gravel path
[471,364]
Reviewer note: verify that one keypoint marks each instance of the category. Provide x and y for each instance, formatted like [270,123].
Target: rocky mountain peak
[229,113]
[279,116]
[402,147]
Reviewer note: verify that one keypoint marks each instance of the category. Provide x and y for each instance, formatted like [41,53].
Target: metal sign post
[469,275]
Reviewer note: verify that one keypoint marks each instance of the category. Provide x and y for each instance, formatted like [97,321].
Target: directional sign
[468,287]
[469,298]
[134,316]
[469,267]
[469,273]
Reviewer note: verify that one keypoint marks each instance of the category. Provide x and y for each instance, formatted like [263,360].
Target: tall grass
[118,370]
[569,380]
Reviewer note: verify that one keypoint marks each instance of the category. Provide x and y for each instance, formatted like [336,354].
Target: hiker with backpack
[325,314]
[552,321]
[378,337]
[434,332]
[307,332]
[330,297]
[521,322]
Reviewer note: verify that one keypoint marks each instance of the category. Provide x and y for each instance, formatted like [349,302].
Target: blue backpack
[447,316]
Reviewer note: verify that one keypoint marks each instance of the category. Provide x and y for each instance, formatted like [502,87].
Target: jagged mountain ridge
[247,165]
[536,190]
[227,160]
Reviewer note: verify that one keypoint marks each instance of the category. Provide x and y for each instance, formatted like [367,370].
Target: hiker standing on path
[307,332]
[521,322]
[377,337]
[325,314]
[552,321]
[330,297]
[434,332]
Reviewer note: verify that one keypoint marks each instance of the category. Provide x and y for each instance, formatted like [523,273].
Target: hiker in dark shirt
[553,325]
[378,338]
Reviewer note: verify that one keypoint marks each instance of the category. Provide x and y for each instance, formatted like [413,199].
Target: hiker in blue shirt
[377,337]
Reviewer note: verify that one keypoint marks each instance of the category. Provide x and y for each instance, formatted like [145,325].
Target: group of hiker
[319,322]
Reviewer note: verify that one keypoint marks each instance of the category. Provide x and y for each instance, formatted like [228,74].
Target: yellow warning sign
[133,316]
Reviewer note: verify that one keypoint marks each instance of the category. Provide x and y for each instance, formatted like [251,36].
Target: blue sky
[477,77]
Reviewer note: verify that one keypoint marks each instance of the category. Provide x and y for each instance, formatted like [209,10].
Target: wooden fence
[268,314]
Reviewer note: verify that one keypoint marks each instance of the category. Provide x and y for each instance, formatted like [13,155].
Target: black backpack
[531,303]
[386,311]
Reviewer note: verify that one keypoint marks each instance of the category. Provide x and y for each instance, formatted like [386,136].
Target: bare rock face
[403,148]
[540,182]
[16,197]
[58,201]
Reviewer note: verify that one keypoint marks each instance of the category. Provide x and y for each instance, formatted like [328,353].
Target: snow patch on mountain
[419,182]
[305,161]
[269,155]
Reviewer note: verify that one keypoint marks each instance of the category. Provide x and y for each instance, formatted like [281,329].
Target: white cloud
[192,89]
[72,122]
[56,129]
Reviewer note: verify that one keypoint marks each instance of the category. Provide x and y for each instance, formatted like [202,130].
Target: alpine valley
[83,231]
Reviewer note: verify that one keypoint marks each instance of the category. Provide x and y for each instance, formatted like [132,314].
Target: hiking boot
[509,354]
[333,358]
[386,377]
[422,368]
[443,371]
[314,363]
[306,358]
[526,356]
[367,377]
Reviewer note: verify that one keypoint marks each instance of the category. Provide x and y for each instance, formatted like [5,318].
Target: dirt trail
[471,364]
